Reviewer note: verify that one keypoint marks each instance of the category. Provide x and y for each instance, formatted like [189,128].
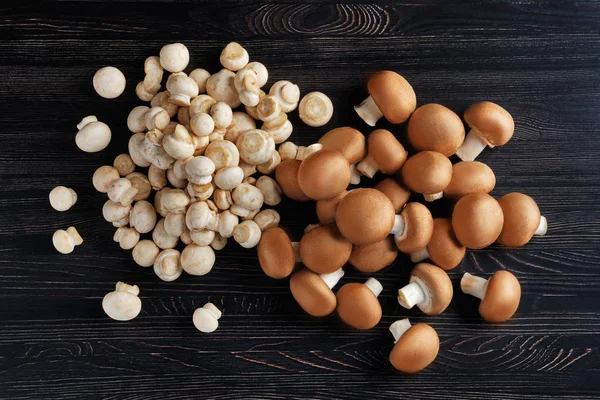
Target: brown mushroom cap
[493,122]
[395,191]
[358,306]
[501,298]
[521,219]
[324,174]
[375,256]
[439,285]
[444,248]
[386,150]
[416,349]
[365,216]
[312,293]
[348,140]
[470,177]
[324,250]
[477,220]
[436,128]
[326,208]
[418,228]
[427,172]
[276,254]
[286,174]
[393,95]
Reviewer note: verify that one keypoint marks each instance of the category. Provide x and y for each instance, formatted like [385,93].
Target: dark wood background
[538,59]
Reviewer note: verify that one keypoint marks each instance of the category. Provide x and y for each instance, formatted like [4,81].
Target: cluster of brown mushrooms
[202,156]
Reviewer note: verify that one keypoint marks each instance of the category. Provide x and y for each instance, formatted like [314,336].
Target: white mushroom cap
[199,216]
[255,146]
[203,237]
[121,191]
[124,164]
[135,149]
[142,93]
[114,212]
[197,260]
[179,168]
[221,87]
[234,57]
[156,117]
[142,217]
[162,238]
[140,182]
[219,242]
[202,124]
[93,135]
[174,181]
[268,108]
[200,76]
[247,234]
[200,170]
[200,192]
[126,237]
[123,304]
[179,145]
[167,265]
[174,57]
[181,89]
[248,196]
[241,122]
[206,319]
[287,93]
[62,198]
[228,178]
[266,219]
[154,74]
[175,201]
[221,114]
[158,177]
[246,83]
[201,104]
[145,253]
[175,224]
[109,82]
[270,189]
[223,153]
[261,72]
[65,241]
[270,166]
[135,119]
[226,223]
[315,109]
[280,128]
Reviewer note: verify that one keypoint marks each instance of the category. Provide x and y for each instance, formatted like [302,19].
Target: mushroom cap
[286,174]
[324,174]
[393,95]
[174,57]
[494,123]
[276,254]
[501,298]
[348,140]
[312,293]
[358,306]
[395,191]
[93,137]
[109,82]
[197,260]
[375,256]
[521,219]
[121,305]
[324,250]
[438,284]
[427,172]
[470,177]
[326,208]
[444,248]
[386,150]
[416,349]
[418,228]
[477,220]
[436,128]
[365,216]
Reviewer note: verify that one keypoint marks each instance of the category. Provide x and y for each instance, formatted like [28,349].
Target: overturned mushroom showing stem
[206,319]
[62,198]
[430,289]
[315,109]
[470,177]
[357,304]
[413,228]
[287,93]
[491,126]
[443,248]
[436,128]
[477,220]
[276,253]
[428,173]
[386,154]
[109,82]
[324,174]
[522,220]
[123,304]
[126,237]
[93,135]
[324,250]
[255,146]
[375,256]
[247,234]
[416,346]
[65,241]
[121,191]
[500,295]
[313,292]
[197,260]
[167,265]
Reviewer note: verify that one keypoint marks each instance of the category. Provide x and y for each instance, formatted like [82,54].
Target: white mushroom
[114,212]
[142,93]
[234,57]
[162,239]
[270,166]
[124,164]
[228,178]
[266,219]
[223,153]
[270,189]
[174,57]
[200,192]
[135,120]
[315,109]
[288,151]
[121,223]
[167,265]
[268,108]
[221,87]
[261,72]
[221,114]
[62,198]
[182,89]
[197,260]
[202,124]
[206,319]
[199,216]
[240,122]
[161,99]
[199,170]
[158,177]
[242,212]
[219,242]
[226,223]
[186,237]
[304,152]
[279,128]
[175,200]
[123,304]
[142,217]
[109,82]
[159,206]
[247,234]
[174,181]
[145,253]
[179,145]
[175,224]
[201,105]
[93,135]
[126,237]
[287,93]
[121,191]
[153,152]
[135,149]
[248,196]
[140,182]
[154,74]
[246,83]
[255,146]
[203,237]
[222,198]
[200,76]
[65,241]
[156,117]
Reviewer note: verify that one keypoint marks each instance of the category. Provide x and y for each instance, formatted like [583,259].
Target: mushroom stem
[412,294]
[542,227]
[86,120]
[331,279]
[473,285]
[432,197]
[419,255]
[74,236]
[368,111]
[368,166]
[354,175]
[472,146]
[374,286]
[210,307]
[399,327]
[296,247]
[398,230]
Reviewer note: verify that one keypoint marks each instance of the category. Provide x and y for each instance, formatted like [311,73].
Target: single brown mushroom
[286,174]
[436,128]
[326,208]
[443,248]
[430,289]
[395,191]
[500,295]
[386,154]
[324,174]
[324,250]
[413,228]
[477,220]
[313,292]
[428,173]
[348,140]
[470,177]
[522,220]
[415,347]
[357,304]
[375,256]
[276,253]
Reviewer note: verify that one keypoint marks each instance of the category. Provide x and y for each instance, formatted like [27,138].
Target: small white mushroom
[288,151]
[287,93]
[219,242]
[175,200]
[315,109]
[242,212]
[174,57]
[145,253]
[179,144]
[200,192]
[135,149]
[268,108]
[255,146]
[240,122]
[93,135]
[153,152]
[304,152]
[221,87]
[226,223]
[247,234]
[249,169]
[121,223]
[266,219]
[182,89]
[174,181]
[175,224]
[158,202]
[261,72]
[202,124]
[135,120]
[124,164]
[270,189]
[246,83]
[156,117]
[158,177]
[65,241]
[197,260]
[142,217]
[199,216]
[222,198]
[223,154]
[123,304]
[109,82]
[206,319]
[161,99]
[200,76]
[186,237]
[221,114]
[248,196]
[140,182]
[270,166]
[62,198]
[228,178]
[179,168]
[201,105]
[279,128]
[142,93]
[203,237]
[234,57]
[199,170]
[126,237]
[154,74]
[121,191]
[114,212]
[162,239]
[167,265]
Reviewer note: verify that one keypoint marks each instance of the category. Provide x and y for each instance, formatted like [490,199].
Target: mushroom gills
[331,279]
[420,255]
[473,285]
[369,111]
[399,327]
[542,227]
[472,146]
[415,293]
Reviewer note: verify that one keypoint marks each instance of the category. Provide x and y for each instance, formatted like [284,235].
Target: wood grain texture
[539,59]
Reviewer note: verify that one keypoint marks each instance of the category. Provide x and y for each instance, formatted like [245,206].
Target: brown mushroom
[386,154]
[286,174]
[428,173]
[395,191]
[390,96]
[413,228]
[430,289]
[276,254]
[323,249]
[477,220]
[313,292]
[500,295]
[324,174]
[443,248]
[436,128]
[491,125]
[470,177]
[348,140]
[357,304]
[326,208]
[375,256]
[415,347]
[522,220]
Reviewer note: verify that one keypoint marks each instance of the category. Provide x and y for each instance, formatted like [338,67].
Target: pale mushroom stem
[473,285]
[374,286]
[87,120]
[331,279]
[398,229]
[305,151]
[368,166]
[433,197]
[472,146]
[419,255]
[296,247]
[74,236]
[399,327]
[213,310]
[354,175]
[368,111]
[122,286]
[542,227]
[410,295]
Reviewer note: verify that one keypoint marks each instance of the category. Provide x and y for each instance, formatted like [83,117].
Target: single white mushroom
[200,192]
[202,124]
[114,212]
[167,265]
[270,189]
[270,166]
[240,122]
[158,177]
[174,57]
[142,217]
[109,82]
[248,196]
[247,234]
[199,170]
[175,224]
[199,216]
[156,117]
[182,89]
[142,93]
[246,83]
[280,128]
[288,151]
[234,57]
[200,76]
[315,109]
[197,260]
[123,304]
[222,198]
[267,218]
[162,238]
[226,223]
[242,212]
[268,108]
[203,237]
[287,93]
[261,72]
[124,164]
[223,153]
[221,114]
[126,237]
[175,200]
[65,241]
[135,120]
[135,149]
[229,178]
[218,243]
[62,198]
[179,144]
[154,74]
[121,191]
[145,253]
[93,135]
[206,319]
[221,87]
[255,146]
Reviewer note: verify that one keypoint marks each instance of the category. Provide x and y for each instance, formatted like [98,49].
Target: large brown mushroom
[470,177]
[443,247]
[500,295]
[522,220]
[324,250]
[385,154]
[313,292]
[395,191]
[428,173]
[477,220]
[436,128]
[347,140]
[375,256]
[415,347]
[286,174]
[430,289]
[276,253]
[324,174]
[357,304]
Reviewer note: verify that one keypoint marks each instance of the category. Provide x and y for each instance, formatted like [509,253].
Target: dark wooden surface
[538,59]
